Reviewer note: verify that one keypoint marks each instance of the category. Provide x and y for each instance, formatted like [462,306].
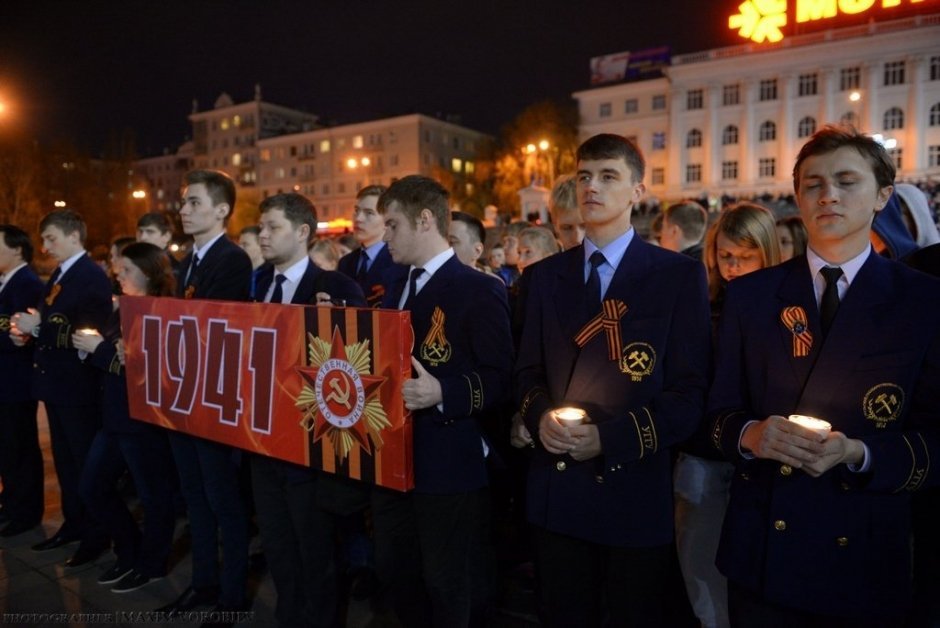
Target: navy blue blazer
[314,280]
[116,416]
[16,363]
[837,544]
[461,325]
[647,398]
[223,274]
[82,298]
[383,273]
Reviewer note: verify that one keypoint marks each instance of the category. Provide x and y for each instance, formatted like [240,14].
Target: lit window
[894,73]
[324,146]
[729,170]
[806,127]
[237,121]
[935,115]
[279,173]
[224,124]
[604,110]
[894,119]
[659,141]
[767,167]
[729,136]
[693,139]
[768,90]
[768,131]
[850,78]
[694,99]
[456,164]
[237,159]
[808,84]
[469,167]
[357,141]
[730,95]
[693,173]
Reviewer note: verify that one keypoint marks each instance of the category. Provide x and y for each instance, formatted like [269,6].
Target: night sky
[80,69]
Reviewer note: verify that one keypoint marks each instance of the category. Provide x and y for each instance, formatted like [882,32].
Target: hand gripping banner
[316,386]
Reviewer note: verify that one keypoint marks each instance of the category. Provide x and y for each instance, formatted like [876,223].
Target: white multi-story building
[732,120]
[330,165]
[226,137]
[164,177]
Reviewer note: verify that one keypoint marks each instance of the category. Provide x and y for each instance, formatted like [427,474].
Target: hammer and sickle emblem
[639,359]
[339,395]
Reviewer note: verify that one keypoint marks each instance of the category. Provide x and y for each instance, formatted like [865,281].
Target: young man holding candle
[620,329]
[817,530]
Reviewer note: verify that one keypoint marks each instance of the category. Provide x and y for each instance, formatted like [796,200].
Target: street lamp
[139,194]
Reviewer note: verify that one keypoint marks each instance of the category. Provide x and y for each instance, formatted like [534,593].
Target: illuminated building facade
[733,119]
[330,165]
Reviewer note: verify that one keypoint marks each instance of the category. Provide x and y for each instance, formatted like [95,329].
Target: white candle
[570,416]
[88,331]
[812,423]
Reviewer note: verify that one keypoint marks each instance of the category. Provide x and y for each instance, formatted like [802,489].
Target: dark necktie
[192,269]
[278,295]
[593,286]
[363,267]
[412,287]
[830,298]
[55,275]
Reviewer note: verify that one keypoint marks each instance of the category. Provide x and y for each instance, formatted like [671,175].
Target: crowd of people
[728,425]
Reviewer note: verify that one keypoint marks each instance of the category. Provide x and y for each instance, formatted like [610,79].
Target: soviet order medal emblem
[435,348]
[883,403]
[638,360]
[339,399]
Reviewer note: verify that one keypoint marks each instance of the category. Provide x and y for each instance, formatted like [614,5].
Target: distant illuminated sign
[763,20]
[629,66]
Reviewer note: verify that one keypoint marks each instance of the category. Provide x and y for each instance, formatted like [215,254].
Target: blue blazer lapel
[264,283]
[796,290]
[845,345]
[307,288]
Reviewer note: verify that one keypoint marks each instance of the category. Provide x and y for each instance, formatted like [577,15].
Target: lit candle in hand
[570,416]
[813,424]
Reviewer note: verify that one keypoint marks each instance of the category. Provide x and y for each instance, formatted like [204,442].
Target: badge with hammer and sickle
[435,348]
[638,360]
[883,403]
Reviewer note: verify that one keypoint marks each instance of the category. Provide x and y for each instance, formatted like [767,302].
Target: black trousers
[297,537]
[21,463]
[425,552]
[583,583]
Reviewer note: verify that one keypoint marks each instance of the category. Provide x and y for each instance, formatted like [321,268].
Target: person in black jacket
[143,270]
[20,456]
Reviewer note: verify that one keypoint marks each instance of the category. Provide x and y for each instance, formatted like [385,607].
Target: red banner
[317,386]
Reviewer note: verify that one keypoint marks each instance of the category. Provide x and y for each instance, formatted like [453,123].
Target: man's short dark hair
[16,238]
[254,230]
[297,209]
[219,186]
[371,190]
[689,216]
[155,219]
[67,221]
[831,138]
[610,146]
[415,193]
[474,225]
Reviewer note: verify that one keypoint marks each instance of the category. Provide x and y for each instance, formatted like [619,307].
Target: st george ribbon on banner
[314,385]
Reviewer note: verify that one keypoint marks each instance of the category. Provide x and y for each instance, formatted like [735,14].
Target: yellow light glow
[59,203]
[855,96]
[365,161]
[543,145]
[351,163]
[760,20]
[3,107]
[139,194]
[530,148]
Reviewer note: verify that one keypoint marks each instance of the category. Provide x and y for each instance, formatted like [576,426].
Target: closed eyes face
[734,259]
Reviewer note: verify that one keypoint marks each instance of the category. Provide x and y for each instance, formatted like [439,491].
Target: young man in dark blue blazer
[216,268]
[370,265]
[296,532]
[618,329]
[818,527]
[427,540]
[78,295]
[20,456]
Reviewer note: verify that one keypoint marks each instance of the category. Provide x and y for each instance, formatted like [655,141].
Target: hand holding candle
[813,424]
[86,341]
[570,416]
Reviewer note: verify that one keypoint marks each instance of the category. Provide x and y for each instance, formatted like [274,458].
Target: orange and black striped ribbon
[608,321]
[794,317]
